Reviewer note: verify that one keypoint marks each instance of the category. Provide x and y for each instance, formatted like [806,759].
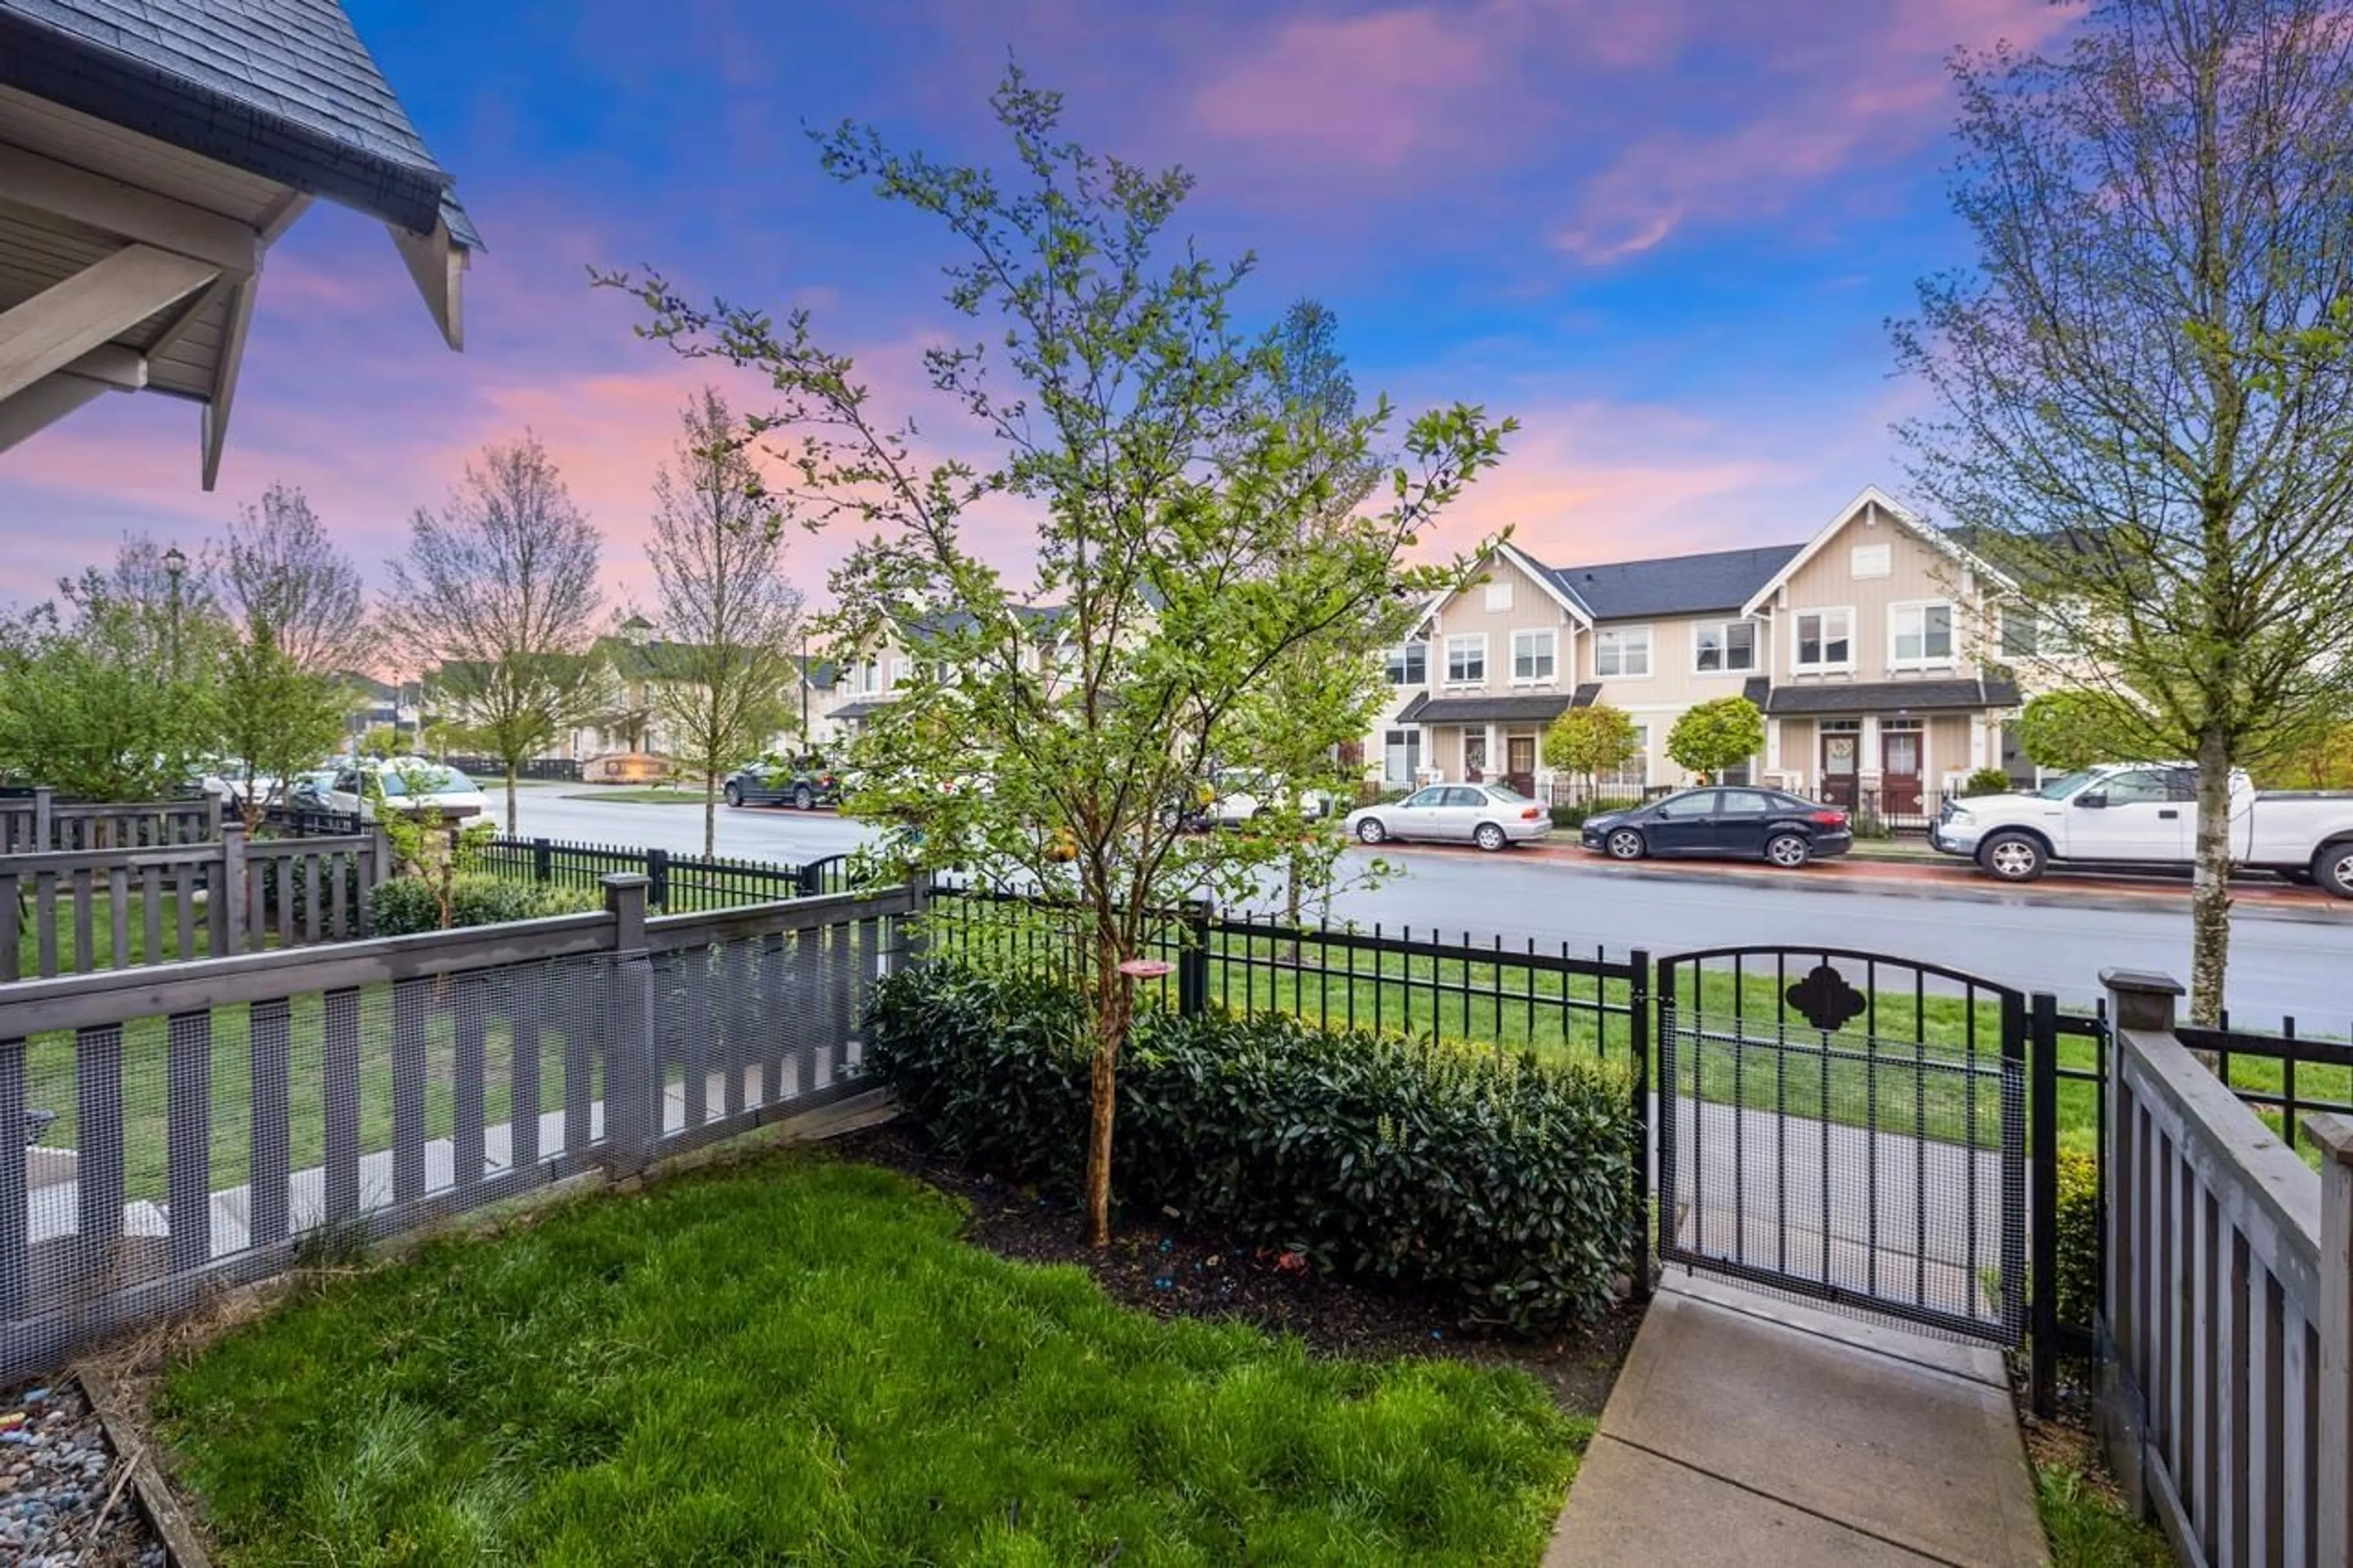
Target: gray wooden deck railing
[2230,1299]
[90,910]
[41,825]
[210,1115]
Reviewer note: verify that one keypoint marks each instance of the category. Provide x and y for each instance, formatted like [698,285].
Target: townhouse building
[1867,649]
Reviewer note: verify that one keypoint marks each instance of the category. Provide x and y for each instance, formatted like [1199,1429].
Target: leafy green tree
[276,718]
[1186,538]
[718,553]
[423,844]
[103,700]
[2144,380]
[1713,736]
[497,593]
[1589,742]
[2070,729]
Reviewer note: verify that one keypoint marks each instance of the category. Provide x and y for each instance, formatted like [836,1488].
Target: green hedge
[1506,1185]
[406,904]
[1577,815]
[2077,1234]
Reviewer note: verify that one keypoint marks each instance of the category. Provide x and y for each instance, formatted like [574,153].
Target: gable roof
[1873,496]
[281,89]
[1673,586]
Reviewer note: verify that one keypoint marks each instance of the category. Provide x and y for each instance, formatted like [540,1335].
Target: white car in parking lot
[417,787]
[1490,816]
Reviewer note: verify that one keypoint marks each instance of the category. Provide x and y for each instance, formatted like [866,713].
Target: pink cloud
[1373,89]
[1870,93]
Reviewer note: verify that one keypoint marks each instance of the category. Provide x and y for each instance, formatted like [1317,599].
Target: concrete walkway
[1747,1433]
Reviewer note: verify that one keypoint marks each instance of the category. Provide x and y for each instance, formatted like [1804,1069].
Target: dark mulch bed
[1175,1273]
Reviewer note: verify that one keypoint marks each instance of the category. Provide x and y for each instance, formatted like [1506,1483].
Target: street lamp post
[176,564]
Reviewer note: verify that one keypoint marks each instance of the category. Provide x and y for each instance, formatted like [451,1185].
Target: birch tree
[2144,383]
[728,612]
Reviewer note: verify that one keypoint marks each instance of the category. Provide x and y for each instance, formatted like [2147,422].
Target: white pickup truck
[2146,813]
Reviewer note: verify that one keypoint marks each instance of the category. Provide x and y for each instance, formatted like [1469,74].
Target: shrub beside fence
[1506,1185]
[206,1120]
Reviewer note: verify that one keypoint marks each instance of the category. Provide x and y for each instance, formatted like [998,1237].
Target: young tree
[2073,728]
[718,554]
[278,568]
[1185,537]
[1590,741]
[1713,736]
[276,718]
[2144,380]
[498,590]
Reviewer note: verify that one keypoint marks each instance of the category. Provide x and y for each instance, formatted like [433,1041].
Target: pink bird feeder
[1144,968]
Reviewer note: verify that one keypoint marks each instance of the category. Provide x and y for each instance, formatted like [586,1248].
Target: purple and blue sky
[1666,233]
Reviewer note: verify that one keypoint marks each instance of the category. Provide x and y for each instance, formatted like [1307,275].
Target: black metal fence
[676,884]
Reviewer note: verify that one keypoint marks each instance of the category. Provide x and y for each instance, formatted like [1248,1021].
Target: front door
[1842,750]
[1899,773]
[1474,758]
[1520,764]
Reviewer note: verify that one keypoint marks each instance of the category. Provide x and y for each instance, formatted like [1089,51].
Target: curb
[1954,886]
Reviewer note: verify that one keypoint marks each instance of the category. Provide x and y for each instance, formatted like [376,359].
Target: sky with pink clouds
[1665,234]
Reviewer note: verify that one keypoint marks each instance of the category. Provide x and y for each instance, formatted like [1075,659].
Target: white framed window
[1621,652]
[869,676]
[1466,659]
[1723,647]
[1400,757]
[1066,659]
[1532,656]
[898,673]
[1822,639]
[1409,663]
[1499,595]
[1868,560]
[1919,634]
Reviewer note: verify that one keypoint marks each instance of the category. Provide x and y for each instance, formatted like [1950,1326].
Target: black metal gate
[1850,1128]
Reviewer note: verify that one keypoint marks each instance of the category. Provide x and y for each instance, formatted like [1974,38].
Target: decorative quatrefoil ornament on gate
[1825,999]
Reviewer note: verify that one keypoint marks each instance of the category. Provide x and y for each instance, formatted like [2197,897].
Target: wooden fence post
[633,1066]
[45,801]
[229,899]
[2333,1478]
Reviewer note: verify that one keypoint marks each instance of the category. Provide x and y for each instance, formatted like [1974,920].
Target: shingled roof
[1675,584]
[281,88]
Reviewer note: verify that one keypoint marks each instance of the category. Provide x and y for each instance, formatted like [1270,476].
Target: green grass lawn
[679,794]
[101,954]
[796,1360]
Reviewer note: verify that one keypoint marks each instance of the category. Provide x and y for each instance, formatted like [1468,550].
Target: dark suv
[807,783]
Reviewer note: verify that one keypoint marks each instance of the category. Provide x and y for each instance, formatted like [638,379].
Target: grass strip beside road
[794,1360]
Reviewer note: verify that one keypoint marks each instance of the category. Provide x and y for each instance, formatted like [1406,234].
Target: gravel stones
[56,1476]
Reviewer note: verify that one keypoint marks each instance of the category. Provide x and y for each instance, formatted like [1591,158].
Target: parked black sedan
[807,784]
[1729,823]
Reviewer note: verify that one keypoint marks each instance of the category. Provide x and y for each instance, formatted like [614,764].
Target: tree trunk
[2209,901]
[511,800]
[1112,1010]
[710,815]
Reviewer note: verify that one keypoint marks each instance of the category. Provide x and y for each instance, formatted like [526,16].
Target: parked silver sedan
[1492,815]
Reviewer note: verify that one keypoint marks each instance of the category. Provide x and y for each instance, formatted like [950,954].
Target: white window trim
[1446,671]
[1926,660]
[1552,643]
[1650,651]
[1398,649]
[1756,650]
[1799,667]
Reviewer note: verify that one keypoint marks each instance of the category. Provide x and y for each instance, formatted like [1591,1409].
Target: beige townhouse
[1865,646]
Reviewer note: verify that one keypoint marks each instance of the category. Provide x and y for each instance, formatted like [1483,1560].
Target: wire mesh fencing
[206,1128]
